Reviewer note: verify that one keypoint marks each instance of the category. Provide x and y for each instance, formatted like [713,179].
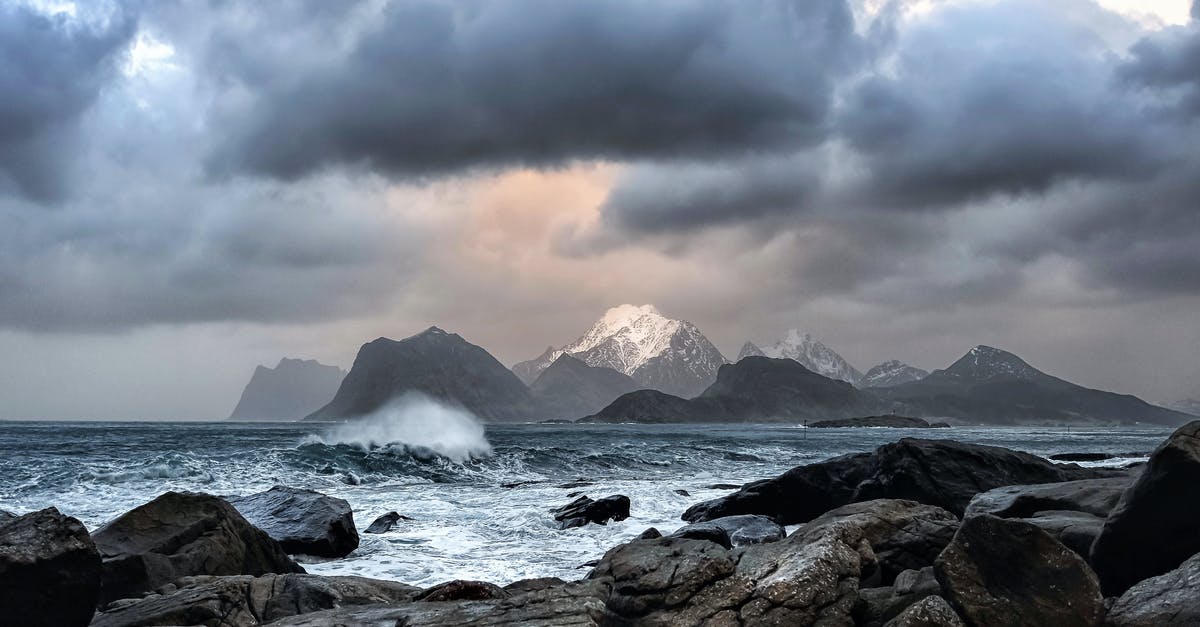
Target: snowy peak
[750,349]
[984,363]
[890,373]
[810,352]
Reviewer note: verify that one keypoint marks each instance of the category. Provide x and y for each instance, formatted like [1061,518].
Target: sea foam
[420,424]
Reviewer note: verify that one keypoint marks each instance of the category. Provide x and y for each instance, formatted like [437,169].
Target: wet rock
[180,534]
[5,516]
[935,472]
[384,523]
[649,534]
[1156,524]
[462,590]
[1094,496]
[529,585]
[1168,599]
[49,570]
[903,534]
[246,600]
[302,521]
[682,492]
[734,531]
[932,611]
[1008,572]
[584,510]
[1076,530]
[723,486]
[878,605]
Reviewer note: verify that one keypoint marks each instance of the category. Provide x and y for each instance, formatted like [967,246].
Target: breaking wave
[420,425]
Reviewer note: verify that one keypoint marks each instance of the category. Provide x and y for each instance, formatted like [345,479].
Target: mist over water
[418,425]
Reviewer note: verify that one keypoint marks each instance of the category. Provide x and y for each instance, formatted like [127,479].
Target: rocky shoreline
[917,532]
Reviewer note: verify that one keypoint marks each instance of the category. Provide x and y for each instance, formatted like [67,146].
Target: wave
[424,428]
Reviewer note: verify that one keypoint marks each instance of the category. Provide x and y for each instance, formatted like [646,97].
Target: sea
[479,496]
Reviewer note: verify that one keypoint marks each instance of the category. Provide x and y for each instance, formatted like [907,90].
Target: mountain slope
[570,388]
[755,389]
[661,353]
[891,373]
[289,391]
[528,371]
[989,385]
[441,365]
[810,352]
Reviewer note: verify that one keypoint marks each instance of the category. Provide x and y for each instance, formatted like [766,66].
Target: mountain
[570,388]
[1187,406]
[441,365]
[755,389]
[528,371]
[891,373]
[807,350]
[989,385]
[660,353]
[289,391]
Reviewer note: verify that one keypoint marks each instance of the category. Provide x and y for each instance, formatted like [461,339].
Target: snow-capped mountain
[811,354]
[891,373]
[658,352]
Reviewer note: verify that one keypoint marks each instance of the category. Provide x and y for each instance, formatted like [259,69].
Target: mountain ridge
[289,391]
[809,352]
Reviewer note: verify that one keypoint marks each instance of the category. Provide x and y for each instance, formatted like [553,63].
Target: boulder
[1094,496]
[247,600]
[932,611]
[180,534]
[734,531]
[302,521]
[935,472]
[649,534]
[49,570]
[1000,571]
[878,605]
[530,585]
[1169,599]
[1156,523]
[462,590]
[384,523]
[903,534]
[1076,530]
[584,510]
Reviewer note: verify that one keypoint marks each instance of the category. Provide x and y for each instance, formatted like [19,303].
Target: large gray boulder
[1156,524]
[246,600]
[734,531]
[302,521]
[1094,496]
[935,472]
[1169,599]
[180,534]
[584,510]
[903,534]
[49,571]
[877,606]
[1076,530]
[1008,572]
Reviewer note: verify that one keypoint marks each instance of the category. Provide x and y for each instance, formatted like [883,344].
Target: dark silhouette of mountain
[438,364]
[989,385]
[570,388]
[756,389]
[288,391]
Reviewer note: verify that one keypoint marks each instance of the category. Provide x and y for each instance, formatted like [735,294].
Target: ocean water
[479,497]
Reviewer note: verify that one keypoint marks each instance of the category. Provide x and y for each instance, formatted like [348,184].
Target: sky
[190,188]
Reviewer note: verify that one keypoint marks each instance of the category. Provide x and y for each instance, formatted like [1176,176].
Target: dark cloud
[1168,64]
[52,68]
[431,88]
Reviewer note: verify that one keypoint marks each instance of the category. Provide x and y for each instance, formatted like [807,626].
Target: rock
[734,531]
[180,534]
[576,604]
[677,581]
[6,516]
[530,585]
[1156,524]
[998,571]
[879,605]
[893,421]
[932,611]
[49,570]
[1169,599]
[682,492]
[302,521]
[462,590]
[247,600]
[1094,496]
[584,510]
[649,534]
[1076,530]
[903,534]
[384,523]
[723,486]
[935,472]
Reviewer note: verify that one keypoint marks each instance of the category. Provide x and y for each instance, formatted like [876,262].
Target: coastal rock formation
[247,600]
[890,420]
[49,570]
[384,523]
[440,365]
[1155,525]
[584,510]
[180,534]
[301,521]
[733,531]
[290,391]
[1168,599]
[1094,496]
[1009,572]
[935,472]
[877,606]
[932,611]
[570,388]
[891,373]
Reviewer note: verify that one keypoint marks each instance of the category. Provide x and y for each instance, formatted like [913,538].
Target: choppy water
[481,517]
